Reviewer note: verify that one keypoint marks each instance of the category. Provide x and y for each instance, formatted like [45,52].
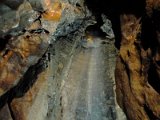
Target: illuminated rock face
[28,31]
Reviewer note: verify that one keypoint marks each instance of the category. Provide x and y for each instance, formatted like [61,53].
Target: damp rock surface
[28,32]
[87,93]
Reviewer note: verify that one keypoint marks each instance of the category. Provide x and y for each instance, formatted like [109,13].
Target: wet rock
[30,28]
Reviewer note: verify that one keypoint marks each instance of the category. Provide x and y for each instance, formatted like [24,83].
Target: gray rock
[36,5]
[107,27]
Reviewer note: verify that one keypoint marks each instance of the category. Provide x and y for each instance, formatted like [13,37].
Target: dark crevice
[153,78]
[148,34]
[29,78]
[78,5]
[150,113]
[11,112]
[6,52]
[4,42]
[158,63]
[25,83]
[95,30]
[126,67]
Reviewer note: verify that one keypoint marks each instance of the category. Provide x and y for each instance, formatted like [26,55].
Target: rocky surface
[136,27]
[92,100]
[32,33]
[40,39]
[34,104]
[137,64]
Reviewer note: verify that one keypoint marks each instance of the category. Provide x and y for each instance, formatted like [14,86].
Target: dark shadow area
[148,34]
[3,42]
[153,78]
[95,31]
[13,4]
[29,78]
[150,113]
[113,9]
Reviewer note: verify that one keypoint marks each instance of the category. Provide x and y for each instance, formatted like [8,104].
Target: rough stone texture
[107,27]
[32,33]
[34,104]
[137,69]
[22,49]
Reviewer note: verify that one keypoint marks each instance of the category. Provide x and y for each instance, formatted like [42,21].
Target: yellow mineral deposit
[53,12]
[89,38]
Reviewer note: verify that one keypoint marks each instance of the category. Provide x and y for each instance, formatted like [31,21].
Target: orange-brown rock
[20,53]
[135,95]
[53,12]
[33,105]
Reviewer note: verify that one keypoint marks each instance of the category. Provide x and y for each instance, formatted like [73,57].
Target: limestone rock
[33,105]
[20,53]
[27,30]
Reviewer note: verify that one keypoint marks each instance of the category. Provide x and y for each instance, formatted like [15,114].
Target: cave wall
[137,68]
[136,28]
[38,39]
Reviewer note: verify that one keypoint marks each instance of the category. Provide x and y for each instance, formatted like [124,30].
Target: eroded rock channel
[79,60]
[94,98]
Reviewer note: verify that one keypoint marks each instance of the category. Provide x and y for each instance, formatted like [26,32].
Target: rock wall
[137,68]
[136,27]
[38,38]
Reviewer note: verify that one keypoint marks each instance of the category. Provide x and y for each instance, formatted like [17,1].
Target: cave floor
[88,92]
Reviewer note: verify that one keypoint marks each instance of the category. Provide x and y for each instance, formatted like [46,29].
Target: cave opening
[113,9]
[95,31]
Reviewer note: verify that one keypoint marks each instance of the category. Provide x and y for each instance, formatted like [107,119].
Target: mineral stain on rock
[53,11]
